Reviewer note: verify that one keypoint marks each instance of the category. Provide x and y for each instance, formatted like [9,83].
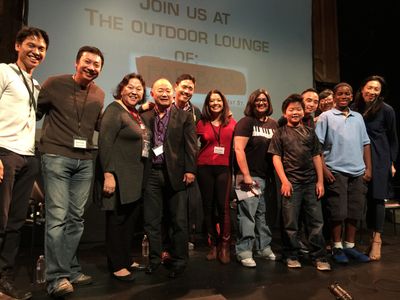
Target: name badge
[80,142]
[145,148]
[146,142]
[158,150]
[219,150]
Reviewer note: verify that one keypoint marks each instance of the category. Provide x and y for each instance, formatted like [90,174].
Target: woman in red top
[215,131]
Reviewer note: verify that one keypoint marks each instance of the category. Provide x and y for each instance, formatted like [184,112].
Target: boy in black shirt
[297,161]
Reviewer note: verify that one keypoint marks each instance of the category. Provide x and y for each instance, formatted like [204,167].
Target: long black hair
[371,110]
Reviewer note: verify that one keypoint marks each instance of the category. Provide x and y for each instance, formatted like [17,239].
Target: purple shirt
[160,129]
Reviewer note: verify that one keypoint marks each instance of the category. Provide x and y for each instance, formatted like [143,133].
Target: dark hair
[336,87]
[359,103]
[25,32]
[309,90]
[325,94]
[185,77]
[250,106]
[90,49]
[206,113]
[293,98]
[124,82]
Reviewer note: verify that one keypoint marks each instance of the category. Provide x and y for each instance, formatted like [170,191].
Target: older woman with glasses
[325,102]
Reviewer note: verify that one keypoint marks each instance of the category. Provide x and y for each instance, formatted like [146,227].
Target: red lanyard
[136,116]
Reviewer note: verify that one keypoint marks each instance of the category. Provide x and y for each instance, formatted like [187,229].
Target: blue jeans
[303,199]
[252,225]
[67,184]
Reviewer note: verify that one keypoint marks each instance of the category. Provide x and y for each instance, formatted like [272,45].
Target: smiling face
[310,100]
[261,105]
[216,104]
[162,94]
[132,93]
[371,90]
[326,103]
[87,68]
[184,92]
[294,113]
[31,52]
[342,97]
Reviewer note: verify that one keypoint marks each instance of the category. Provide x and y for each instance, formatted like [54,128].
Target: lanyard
[217,135]
[32,101]
[79,116]
[136,116]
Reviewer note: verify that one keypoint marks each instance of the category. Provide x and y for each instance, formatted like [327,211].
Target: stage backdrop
[232,45]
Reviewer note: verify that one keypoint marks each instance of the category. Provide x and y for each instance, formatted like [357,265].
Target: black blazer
[180,145]
[120,153]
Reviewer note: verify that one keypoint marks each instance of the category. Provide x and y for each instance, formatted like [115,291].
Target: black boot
[7,288]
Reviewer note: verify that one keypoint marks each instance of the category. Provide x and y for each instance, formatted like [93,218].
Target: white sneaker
[248,262]
[267,254]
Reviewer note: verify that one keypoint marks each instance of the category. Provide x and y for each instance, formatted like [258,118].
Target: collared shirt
[160,131]
[343,139]
[190,108]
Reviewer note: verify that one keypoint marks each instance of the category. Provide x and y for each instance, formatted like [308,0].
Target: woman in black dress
[123,142]
[380,120]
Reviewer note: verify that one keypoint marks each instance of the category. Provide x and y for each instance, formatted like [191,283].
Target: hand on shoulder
[146,106]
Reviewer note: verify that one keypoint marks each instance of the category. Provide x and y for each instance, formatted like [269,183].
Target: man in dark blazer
[171,168]
[184,89]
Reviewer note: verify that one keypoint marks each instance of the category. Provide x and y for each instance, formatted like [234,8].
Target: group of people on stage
[329,152]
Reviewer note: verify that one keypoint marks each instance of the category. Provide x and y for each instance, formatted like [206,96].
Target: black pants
[120,227]
[215,185]
[159,194]
[19,175]
[375,215]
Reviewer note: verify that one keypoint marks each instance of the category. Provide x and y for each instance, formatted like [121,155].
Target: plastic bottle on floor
[41,270]
[145,246]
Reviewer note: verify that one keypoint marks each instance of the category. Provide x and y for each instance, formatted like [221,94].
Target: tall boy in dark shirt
[297,161]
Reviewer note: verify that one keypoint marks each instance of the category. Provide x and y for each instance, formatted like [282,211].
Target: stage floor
[211,280]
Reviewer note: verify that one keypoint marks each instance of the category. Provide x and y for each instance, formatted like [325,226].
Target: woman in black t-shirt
[253,134]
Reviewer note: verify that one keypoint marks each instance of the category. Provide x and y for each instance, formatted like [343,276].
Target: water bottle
[41,270]
[339,292]
[145,246]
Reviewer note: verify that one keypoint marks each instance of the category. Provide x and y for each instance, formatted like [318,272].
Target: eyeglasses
[259,100]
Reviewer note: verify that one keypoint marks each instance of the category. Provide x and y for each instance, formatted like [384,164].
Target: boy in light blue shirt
[347,167]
